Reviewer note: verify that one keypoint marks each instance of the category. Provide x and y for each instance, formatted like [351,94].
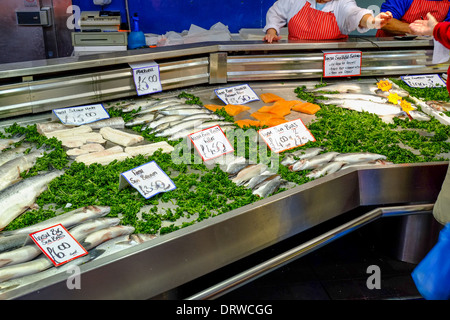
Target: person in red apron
[319,19]
[405,12]
[441,33]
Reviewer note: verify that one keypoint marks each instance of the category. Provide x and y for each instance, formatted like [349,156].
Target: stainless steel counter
[161,265]
[43,85]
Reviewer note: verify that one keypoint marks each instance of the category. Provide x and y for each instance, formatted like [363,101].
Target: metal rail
[278,261]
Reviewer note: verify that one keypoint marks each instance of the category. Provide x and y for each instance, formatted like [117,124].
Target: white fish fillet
[107,159]
[120,137]
[81,139]
[18,197]
[71,132]
[149,149]
[85,158]
[47,127]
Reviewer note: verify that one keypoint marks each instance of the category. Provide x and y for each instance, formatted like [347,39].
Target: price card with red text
[211,143]
[342,64]
[286,136]
[58,244]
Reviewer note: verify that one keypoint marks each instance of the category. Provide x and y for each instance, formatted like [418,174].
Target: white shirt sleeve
[281,12]
[347,13]
[348,16]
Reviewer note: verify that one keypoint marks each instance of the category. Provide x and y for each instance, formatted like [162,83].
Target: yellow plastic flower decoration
[406,106]
[394,98]
[384,85]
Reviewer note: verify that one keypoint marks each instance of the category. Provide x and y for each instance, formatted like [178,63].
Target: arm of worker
[377,22]
[395,26]
[277,17]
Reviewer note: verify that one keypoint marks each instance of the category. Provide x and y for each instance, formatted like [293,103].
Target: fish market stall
[373,155]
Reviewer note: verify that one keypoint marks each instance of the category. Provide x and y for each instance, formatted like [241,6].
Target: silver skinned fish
[314,162]
[16,198]
[325,169]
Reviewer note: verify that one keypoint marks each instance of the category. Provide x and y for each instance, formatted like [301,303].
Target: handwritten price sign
[58,244]
[424,81]
[146,78]
[81,115]
[148,179]
[237,94]
[286,136]
[342,64]
[211,143]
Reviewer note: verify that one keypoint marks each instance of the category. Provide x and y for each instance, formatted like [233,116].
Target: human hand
[271,35]
[380,20]
[423,27]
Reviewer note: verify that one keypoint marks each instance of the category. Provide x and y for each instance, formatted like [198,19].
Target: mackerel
[340,87]
[180,126]
[67,219]
[160,105]
[15,199]
[155,123]
[314,162]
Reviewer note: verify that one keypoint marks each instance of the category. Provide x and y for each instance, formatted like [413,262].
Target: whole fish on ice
[355,96]
[314,162]
[268,187]
[18,197]
[8,142]
[67,219]
[23,269]
[325,169]
[358,157]
[292,157]
[249,172]
[380,109]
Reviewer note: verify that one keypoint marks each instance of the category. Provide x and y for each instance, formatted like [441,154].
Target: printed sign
[342,64]
[148,179]
[286,136]
[237,94]
[58,244]
[146,78]
[211,143]
[424,81]
[81,115]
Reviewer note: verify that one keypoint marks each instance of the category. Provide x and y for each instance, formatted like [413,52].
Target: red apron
[419,9]
[314,24]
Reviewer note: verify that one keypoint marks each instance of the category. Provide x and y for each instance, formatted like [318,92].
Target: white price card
[148,179]
[146,78]
[58,244]
[211,143]
[80,115]
[286,136]
[342,64]
[241,94]
[424,81]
